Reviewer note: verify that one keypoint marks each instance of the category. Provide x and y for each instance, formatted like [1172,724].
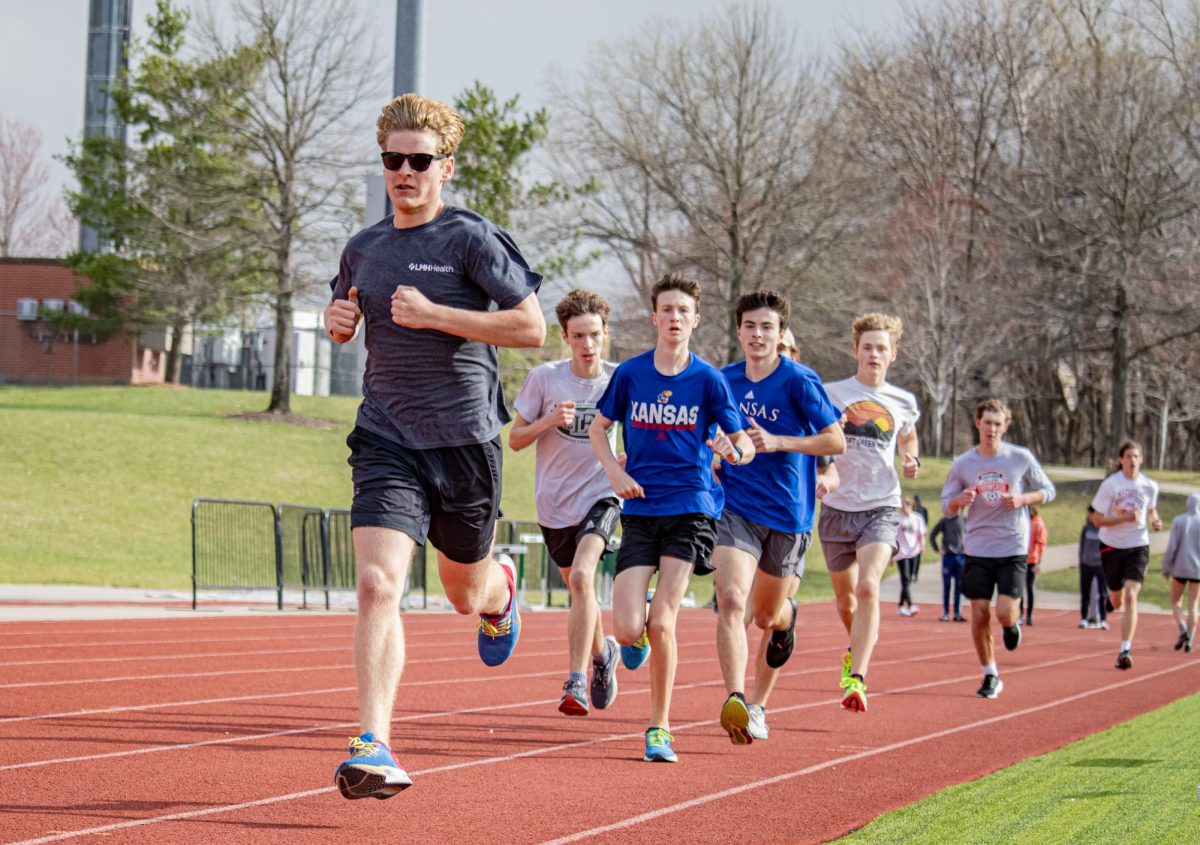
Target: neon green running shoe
[855,698]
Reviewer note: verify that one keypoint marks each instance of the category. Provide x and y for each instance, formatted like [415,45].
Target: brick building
[33,351]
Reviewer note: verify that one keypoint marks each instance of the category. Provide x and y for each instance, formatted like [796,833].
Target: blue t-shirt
[423,388]
[665,421]
[776,489]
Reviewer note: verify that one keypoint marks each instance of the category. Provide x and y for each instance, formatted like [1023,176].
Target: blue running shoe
[633,656]
[658,747]
[371,771]
[497,635]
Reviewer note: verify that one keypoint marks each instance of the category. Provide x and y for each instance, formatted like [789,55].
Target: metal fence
[240,545]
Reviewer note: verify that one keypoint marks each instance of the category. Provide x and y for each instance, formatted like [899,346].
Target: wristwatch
[739,455]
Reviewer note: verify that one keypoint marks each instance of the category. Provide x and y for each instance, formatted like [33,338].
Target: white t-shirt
[910,536]
[874,417]
[568,478]
[1119,493]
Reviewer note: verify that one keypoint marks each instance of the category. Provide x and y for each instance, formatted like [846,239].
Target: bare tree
[702,142]
[24,207]
[320,65]
[1103,197]
[929,115]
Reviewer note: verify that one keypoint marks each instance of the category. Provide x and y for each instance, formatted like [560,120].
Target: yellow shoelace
[500,628]
[659,737]
[359,746]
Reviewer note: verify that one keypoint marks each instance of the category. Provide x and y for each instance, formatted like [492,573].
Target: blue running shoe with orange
[497,635]
[371,771]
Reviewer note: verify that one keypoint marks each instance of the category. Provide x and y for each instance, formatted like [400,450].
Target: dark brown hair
[681,282]
[764,299]
[579,302]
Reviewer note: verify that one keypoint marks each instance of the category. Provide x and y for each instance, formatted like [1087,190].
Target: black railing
[242,545]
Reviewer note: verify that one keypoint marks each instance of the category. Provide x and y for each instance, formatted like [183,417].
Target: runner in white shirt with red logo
[1125,504]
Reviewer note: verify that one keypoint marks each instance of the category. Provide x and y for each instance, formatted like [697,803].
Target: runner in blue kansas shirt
[666,423]
[766,527]
[669,403]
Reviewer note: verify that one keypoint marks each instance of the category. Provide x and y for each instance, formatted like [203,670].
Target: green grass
[1134,783]
[99,481]
[1155,590]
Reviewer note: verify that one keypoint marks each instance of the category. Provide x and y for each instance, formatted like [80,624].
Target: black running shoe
[781,644]
[1182,641]
[1124,660]
[992,687]
[1012,637]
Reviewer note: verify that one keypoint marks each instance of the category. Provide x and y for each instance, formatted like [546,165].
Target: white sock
[991,669]
[1126,645]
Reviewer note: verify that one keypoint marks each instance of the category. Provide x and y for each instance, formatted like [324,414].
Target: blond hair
[878,323]
[421,114]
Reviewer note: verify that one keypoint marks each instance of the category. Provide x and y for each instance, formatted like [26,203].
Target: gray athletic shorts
[778,553]
[843,533]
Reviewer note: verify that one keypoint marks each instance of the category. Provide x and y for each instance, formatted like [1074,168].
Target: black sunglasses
[419,162]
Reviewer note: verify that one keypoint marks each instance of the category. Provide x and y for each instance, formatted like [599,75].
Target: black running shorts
[689,537]
[449,494]
[562,543]
[1121,565]
[983,576]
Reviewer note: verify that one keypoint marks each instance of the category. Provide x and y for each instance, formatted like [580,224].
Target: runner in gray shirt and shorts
[996,483]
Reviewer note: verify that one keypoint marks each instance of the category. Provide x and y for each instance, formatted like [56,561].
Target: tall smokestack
[108,43]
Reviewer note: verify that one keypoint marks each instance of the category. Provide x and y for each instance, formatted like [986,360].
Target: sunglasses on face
[419,162]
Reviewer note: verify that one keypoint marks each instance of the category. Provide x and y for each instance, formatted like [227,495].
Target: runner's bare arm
[524,432]
[522,327]
[830,440]
[622,483]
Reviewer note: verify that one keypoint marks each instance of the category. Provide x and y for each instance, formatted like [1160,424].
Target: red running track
[228,730]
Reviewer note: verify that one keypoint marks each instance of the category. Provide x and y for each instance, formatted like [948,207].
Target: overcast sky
[513,46]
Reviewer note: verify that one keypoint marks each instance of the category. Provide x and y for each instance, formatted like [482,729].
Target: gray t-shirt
[992,531]
[568,479]
[423,388]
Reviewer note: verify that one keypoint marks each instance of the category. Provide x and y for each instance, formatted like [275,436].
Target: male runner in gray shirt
[997,482]
[439,288]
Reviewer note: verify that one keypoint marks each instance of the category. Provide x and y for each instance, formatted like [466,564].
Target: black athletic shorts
[562,543]
[1121,565]
[1005,576]
[450,494]
[1185,581]
[690,537]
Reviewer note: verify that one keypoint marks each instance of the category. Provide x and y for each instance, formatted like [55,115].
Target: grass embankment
[1134,783]
[99,481]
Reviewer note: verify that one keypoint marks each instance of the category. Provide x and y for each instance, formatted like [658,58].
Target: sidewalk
[56,602]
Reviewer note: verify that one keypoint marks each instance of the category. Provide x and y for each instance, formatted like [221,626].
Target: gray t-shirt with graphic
[991,530]
[423,388]
[568,478]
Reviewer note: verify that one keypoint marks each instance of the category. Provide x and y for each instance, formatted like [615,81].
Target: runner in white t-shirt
[1125,504]
[858,520]
[576,506]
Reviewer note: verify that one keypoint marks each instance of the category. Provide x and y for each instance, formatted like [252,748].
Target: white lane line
[252,670]
[663,811]
[850,758]
[485,708]
[193,656]
[412,662]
